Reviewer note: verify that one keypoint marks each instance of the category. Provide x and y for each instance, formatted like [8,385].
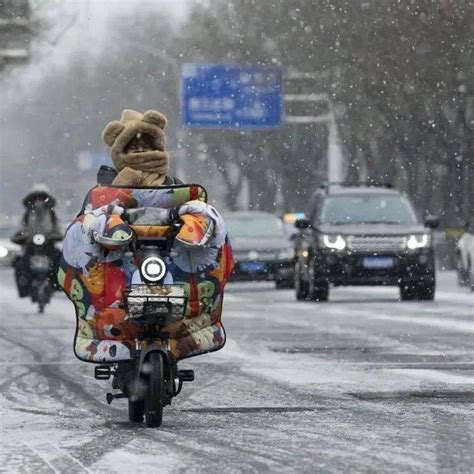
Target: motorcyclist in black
[39,219]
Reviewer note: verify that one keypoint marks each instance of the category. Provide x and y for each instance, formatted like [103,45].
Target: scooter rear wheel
[136,409]
[155,393]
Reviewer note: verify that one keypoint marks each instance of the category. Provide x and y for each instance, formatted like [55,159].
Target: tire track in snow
[59,460]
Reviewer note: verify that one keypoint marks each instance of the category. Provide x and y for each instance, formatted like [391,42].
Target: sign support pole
[335,158]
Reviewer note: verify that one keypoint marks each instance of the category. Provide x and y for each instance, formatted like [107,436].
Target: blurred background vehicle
[36,267]
[465,256]
[363,235]
[262,250]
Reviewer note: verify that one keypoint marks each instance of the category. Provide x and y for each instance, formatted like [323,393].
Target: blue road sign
[231,96]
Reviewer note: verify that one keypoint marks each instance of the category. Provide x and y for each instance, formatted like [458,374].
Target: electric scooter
[151,380]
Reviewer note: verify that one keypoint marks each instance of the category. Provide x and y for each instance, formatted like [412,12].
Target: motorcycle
[36,269]
[151,379]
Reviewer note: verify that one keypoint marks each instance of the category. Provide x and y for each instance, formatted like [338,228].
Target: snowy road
[362,383]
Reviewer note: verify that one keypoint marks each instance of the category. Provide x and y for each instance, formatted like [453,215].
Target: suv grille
[376,243]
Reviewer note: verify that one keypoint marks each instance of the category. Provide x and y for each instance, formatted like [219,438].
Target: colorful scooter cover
[94,276]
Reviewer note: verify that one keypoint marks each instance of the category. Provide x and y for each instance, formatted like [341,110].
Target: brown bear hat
[145,168]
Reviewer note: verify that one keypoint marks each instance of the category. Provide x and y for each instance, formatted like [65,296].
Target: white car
[8,250]
[465,257]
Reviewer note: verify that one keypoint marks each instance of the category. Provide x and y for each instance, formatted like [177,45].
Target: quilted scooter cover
[94,278]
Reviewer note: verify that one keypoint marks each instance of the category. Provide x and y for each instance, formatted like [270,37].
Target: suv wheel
[422,291]
[318,291]
[407,292]
[301,287]
[426,291]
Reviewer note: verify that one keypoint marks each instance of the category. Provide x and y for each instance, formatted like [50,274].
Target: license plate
[253,267]
[39,262]
[161,304]
[151,312]
[159,308]
[377,262]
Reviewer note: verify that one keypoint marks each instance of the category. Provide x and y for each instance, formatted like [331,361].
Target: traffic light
[14,30]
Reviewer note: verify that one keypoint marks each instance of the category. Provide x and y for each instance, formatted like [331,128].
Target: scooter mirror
[110,242]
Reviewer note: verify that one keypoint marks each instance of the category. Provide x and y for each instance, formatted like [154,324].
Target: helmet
[40,192]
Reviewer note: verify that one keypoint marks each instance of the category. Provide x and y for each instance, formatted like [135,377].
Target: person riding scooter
[145,264]
[37,236]
[39,215]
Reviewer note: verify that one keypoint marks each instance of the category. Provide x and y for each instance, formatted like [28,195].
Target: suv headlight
[286,254]
[418,241]
[335,242]
[3,251]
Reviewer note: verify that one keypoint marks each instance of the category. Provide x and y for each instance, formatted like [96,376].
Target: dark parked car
[362,235]
[262,251]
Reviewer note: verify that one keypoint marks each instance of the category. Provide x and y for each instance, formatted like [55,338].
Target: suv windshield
[254,226]
[367,209]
